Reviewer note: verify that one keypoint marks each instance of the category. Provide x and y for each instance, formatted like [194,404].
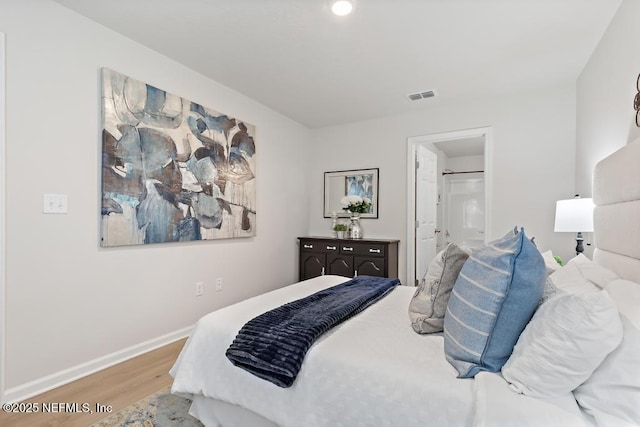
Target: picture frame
[360,182]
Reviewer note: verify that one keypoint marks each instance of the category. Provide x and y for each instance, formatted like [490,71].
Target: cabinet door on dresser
[369,267]
[340,264]
[312,265]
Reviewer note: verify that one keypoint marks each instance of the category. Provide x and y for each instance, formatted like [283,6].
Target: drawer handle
[331,248]
[308,246]
[374,251]
[347,248]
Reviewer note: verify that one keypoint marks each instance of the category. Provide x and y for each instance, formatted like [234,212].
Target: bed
[374,370]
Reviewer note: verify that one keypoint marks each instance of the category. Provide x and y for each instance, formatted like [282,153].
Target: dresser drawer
[368,249]
[319,246]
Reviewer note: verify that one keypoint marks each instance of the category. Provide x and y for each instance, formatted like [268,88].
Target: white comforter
[372,370]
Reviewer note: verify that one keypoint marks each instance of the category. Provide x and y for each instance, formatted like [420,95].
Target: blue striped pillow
[493,299]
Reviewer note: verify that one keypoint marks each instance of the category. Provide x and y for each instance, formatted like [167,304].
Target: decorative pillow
[550,262]
[612,394]
[548,290]
[568,337]
[552,266]
[427,307]
[493,299]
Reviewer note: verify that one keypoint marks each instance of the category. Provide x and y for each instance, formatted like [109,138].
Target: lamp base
[579,246]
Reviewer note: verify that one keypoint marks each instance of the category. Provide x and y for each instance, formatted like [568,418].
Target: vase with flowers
[356,205]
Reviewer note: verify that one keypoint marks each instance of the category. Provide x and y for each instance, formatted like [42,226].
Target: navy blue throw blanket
[272,346]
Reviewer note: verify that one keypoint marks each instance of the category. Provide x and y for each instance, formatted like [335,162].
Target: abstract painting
[360,185]
[172,170]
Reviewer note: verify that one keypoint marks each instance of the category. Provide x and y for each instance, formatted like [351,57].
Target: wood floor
[118,386]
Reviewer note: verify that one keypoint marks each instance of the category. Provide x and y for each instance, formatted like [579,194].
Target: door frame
[412,142]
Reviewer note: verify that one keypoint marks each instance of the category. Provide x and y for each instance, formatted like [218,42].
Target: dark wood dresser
[345,257]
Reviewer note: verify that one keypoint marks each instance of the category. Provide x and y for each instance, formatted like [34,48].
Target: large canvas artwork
[172,170]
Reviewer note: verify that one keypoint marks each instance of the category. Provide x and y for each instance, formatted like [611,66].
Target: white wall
[605,118]
[532,160]
[71,306]
[605,92]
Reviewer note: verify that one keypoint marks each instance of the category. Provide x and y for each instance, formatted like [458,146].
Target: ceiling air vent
[421,95]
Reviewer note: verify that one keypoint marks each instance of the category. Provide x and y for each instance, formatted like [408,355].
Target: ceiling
[473,146]
[297,58]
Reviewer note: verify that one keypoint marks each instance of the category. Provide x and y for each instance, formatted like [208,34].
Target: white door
[426,208]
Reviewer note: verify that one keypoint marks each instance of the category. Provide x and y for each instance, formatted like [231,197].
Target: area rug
[161,409]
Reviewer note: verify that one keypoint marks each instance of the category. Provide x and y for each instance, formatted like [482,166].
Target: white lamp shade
[574,215]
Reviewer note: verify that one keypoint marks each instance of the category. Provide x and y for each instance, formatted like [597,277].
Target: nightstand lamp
[575,215]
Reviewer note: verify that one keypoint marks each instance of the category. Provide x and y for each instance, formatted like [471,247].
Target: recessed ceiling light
[341,7]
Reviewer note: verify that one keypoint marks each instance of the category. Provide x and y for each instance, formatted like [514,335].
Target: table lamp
[575,215]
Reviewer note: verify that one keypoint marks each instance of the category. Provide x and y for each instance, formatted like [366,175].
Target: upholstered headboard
[616,194]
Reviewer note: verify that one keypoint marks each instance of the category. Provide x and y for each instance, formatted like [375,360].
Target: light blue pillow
[492,301]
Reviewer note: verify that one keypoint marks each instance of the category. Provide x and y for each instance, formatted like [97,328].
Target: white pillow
[594,273]
[566,340]
[569,279]
[612,393]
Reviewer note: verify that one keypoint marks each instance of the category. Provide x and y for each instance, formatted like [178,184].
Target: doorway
[448,188]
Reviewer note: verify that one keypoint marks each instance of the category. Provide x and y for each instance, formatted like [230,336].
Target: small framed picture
[357,182]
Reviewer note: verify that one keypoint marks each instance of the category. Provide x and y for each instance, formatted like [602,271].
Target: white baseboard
[41,385]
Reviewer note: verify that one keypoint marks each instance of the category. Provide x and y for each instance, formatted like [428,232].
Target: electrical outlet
[219,284]
[199,289]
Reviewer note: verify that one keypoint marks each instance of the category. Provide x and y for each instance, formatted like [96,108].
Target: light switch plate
[54,203]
